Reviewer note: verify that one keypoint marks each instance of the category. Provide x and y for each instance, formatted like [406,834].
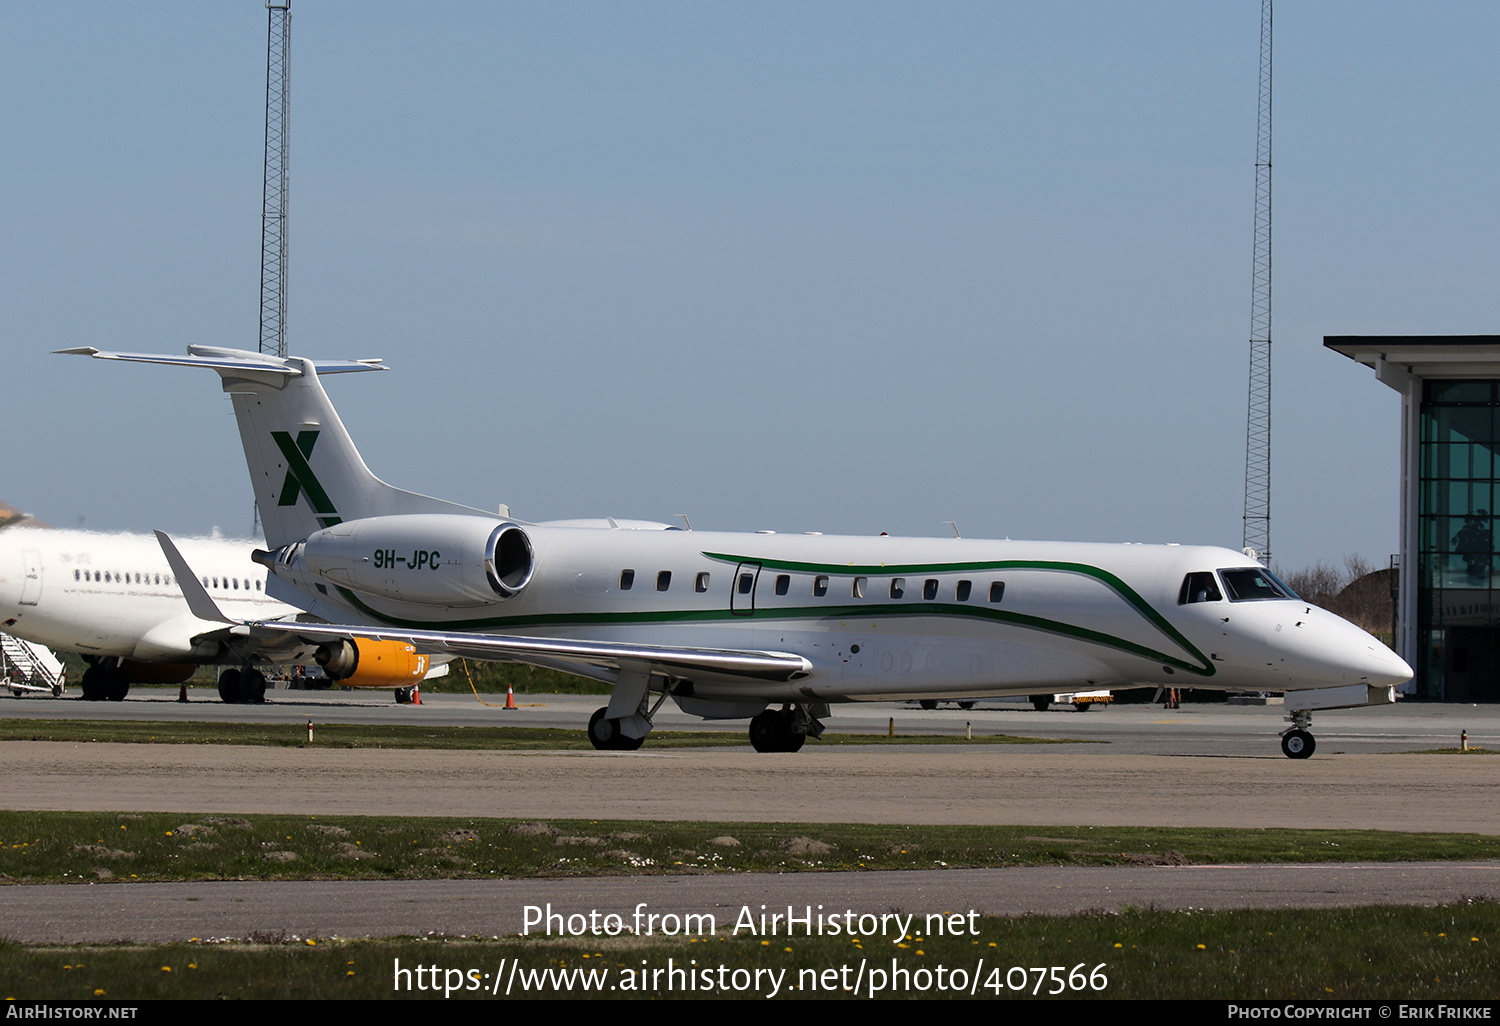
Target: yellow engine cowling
[363,663]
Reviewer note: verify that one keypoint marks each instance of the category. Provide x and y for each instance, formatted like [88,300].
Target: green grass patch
[376,735]
[53,847]
[1447,952]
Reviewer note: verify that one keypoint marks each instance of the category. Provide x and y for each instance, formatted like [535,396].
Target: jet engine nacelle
[437,559]
[363,663]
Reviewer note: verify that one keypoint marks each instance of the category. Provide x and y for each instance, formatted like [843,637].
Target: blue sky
[840,267]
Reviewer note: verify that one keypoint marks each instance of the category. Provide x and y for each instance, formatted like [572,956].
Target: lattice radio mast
[273,241]
[1258,433]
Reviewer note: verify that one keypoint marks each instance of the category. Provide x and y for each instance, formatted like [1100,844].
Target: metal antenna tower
[273,217]
[1258,433]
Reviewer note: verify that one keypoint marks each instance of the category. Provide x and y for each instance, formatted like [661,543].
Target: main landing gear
[622,725]
[245,684]
[104,680]
[1298,743]
[607,736]
[784,729]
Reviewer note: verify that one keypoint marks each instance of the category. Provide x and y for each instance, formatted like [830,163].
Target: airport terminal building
[1448,605]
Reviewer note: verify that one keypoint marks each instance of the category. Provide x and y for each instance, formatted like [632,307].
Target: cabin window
[929,588]
[858,588]
[627,578]
[257,586]
[701,584]
[664,580]
[76,575]
[236,584]
[1199,587]
[783,583]
[747,583]
[898,587]
[997,591]
[820,586]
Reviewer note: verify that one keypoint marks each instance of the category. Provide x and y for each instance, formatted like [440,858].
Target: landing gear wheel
[966,705]
[771,731]
[93,684]
[252,686]
[1297,744]
[765,732]
[1040,702]
[116,684]
[928,703]
[229,686]
[604,734]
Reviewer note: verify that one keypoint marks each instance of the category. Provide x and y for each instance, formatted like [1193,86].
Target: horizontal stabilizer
[228,359]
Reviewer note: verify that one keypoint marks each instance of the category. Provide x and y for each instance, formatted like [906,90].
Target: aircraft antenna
[1258,429]
[273,241]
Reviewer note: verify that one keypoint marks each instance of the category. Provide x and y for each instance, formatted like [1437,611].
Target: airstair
[29,667]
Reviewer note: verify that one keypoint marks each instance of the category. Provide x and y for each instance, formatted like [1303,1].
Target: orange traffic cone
[510,697]
[182,692]
[416,695]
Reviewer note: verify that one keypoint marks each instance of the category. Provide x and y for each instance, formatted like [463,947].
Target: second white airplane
[774,628]
[113,599]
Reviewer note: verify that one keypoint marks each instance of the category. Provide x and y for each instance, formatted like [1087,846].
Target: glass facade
[1458,603]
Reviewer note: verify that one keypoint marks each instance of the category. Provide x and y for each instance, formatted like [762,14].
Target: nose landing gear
[1298,743]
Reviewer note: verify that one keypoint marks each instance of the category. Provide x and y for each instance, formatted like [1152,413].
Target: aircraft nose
[1361,657]
[1382,667]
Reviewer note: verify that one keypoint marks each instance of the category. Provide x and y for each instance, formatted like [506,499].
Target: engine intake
[436,559]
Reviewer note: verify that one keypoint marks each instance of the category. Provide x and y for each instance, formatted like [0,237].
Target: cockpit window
[1248,584]
[1199,587]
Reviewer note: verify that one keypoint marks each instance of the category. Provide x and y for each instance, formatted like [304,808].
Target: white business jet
[113,599]
[777,628]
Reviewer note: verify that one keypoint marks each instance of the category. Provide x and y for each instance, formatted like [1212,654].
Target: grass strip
[375,735]
[62,847]
[1446,952]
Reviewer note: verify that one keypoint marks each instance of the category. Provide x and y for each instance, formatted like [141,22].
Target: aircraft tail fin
[304,467]
[10,515]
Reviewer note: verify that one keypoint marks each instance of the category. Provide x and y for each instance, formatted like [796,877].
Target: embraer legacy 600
[768,626]
[112,599]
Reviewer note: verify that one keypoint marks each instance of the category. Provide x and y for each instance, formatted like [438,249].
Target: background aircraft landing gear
[92,684]
[104,680]
[252,685]
[242,684]
[605,734]
[116,684]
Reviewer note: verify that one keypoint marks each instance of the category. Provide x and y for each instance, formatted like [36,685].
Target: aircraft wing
[757,665]
[770,666]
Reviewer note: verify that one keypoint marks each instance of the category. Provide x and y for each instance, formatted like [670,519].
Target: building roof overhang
[1422,356]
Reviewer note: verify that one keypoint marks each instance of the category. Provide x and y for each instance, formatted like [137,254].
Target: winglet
[200,603]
